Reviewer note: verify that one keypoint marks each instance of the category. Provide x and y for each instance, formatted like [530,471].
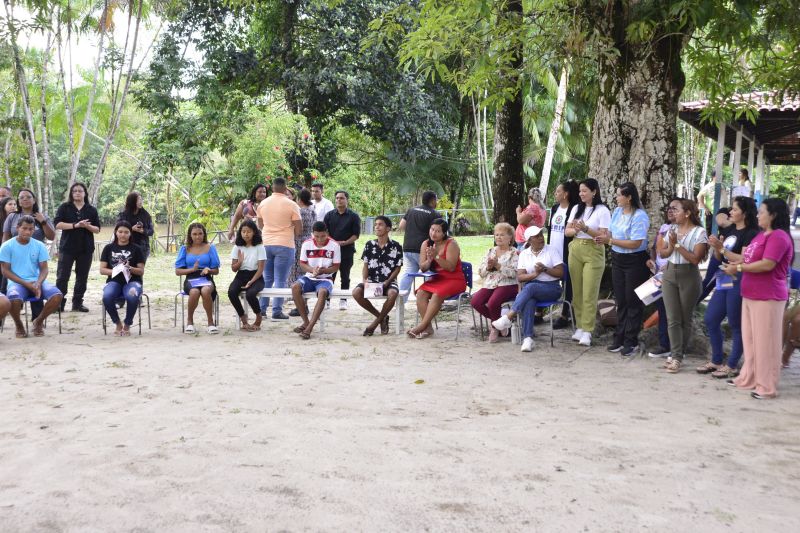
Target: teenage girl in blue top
[199,262]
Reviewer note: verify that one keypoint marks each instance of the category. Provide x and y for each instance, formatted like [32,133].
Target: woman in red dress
[441,255]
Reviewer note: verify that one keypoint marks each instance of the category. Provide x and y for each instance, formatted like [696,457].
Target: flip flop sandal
[21,335]
[38,331]
[125,333]
[385,326]
[190,330]
[305,335]
[368,332]
[212,330]
[299,329]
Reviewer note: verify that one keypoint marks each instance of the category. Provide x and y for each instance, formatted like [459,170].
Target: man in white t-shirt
[322,206]
[320,257]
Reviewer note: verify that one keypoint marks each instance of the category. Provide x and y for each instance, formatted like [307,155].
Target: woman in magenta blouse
[763,270]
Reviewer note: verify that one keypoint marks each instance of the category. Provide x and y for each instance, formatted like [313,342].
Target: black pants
[567,286]
[251,294]
[348,252]
[628,271]
[83,263]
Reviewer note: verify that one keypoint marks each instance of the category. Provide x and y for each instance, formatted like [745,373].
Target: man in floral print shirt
[382,258]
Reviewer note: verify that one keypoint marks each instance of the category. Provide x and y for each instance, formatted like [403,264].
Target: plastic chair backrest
[466,268]
[794,279]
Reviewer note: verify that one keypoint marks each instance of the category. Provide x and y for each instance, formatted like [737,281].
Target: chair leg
[103,312]
[183,318]
[147,298]
[458,313]
[551,326]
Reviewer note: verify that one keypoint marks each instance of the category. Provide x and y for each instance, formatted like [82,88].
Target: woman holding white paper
[123,263]
[199,262]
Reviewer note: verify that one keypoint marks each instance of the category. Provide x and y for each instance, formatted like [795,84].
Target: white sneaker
[343,304]
[527,345]
[586,339]
[577,335]
[502,323]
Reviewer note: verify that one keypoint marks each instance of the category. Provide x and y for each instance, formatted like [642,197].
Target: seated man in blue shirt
[24,263]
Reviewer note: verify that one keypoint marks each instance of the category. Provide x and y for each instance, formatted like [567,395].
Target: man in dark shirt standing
[416,223]
[344,226]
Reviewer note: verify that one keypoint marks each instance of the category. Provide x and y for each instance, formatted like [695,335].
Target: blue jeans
[532,293]
[725,303]
[709,282]
[663,331]
[411,262]
[114,291]
[276,271]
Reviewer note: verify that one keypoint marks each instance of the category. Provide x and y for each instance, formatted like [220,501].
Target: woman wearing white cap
[540,268]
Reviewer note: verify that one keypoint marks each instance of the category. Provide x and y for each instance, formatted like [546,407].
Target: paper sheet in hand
[371,290]
[121,268]
[650,291]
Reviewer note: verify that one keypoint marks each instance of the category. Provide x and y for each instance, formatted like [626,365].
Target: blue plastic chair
[549,306]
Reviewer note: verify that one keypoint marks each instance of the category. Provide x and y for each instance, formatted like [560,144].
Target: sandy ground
[265,432]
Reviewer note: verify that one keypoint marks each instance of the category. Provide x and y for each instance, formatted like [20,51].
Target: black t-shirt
[114,254]
[342,226]
[736,239]
[418,224]
[381,262]
[140,239]
[79,240]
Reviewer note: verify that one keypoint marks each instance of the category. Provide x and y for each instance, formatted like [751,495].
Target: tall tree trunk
[116,113]
[555,128]
[287,50]
[7,144]
[509,180]
[47,202]
[73,171]
[22,82]
[634,135]
[66,94]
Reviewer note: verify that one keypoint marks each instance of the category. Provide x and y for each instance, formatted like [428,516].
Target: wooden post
[718,168]
[760,176]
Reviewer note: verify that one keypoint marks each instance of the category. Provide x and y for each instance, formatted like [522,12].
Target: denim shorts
[19,292]
[314,285]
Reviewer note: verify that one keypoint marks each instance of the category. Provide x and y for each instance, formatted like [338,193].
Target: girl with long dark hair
[628,240]
[126,284]
[566,196]
[247,208]
[78,221]
[248,258]
[140,221]
[685,247]
[727,298]
[199,262]
[763,268]
[587,259]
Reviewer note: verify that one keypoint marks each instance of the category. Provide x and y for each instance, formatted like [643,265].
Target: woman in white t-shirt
[247,261]
[587,259]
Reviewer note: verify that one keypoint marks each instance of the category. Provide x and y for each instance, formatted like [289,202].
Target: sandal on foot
[674,366]
[190,329]
[368,332]
[21,334]
[299,329]
[725,372]
[125,332]
[38,331]
[305,335]
[708,368]
[212,330]
[385,326]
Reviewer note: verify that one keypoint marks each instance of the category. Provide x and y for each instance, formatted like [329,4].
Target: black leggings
[251,294]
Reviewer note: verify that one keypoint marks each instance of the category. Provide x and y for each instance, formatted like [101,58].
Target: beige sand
[265,432]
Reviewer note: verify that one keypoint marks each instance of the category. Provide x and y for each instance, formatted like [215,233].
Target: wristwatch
[739,268]
[678,246]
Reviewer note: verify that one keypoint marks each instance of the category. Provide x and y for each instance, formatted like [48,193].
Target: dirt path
[265,432]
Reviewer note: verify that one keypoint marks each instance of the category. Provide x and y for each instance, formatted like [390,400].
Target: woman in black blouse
[78,221]
[140,220]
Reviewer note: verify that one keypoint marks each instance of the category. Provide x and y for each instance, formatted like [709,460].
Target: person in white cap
[539,268]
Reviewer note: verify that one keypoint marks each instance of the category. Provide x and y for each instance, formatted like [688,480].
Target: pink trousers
[762,321]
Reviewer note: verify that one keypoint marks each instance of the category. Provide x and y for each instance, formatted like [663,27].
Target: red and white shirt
[323,257]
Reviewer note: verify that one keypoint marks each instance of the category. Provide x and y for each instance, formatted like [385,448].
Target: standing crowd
[300,241]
